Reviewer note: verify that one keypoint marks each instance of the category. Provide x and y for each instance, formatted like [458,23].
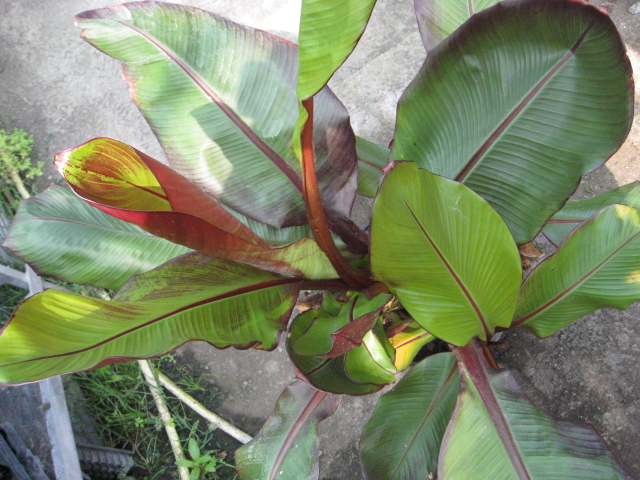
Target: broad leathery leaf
[83,245]
[409,422]
[131,186]
[496,433]
[577,211]
[193,297]
[327,374]
[329,31]
[222,101]
[372,158]
[597,266]
[445,253]
[437,19]
[518,104]
[408,343]
[287,445]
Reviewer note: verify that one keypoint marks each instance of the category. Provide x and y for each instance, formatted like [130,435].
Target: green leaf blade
[408,422]
[356,365]
[519,103]
[222,102]
[372,158]
[287,446]
[459,271]
[577,211]
[329,31]
[596,267]
[496,432]
[437,19]
[84,245]
[192,298]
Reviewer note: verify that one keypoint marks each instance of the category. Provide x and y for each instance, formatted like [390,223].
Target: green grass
[118,399]
[10,297]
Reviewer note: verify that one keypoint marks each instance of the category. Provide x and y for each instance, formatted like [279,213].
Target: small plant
[513,104]
[16,166]
[200,464]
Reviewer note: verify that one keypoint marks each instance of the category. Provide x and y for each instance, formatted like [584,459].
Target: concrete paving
[66,92]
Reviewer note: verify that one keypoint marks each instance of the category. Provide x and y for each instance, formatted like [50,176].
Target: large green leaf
[497,434]
[287,446]
[194,297]
[577,211]
[437,19]
[408,422]
[372,158]
[329,31]
[517,104]
[597,266]
[61,236]
[222,101]
[445,253]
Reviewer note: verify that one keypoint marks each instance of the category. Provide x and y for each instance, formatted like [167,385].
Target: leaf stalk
[315,211]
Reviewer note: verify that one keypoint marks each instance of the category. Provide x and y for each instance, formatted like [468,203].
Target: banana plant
[514,103]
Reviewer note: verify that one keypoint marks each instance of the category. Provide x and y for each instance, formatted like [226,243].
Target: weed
[118,399]
[16,167]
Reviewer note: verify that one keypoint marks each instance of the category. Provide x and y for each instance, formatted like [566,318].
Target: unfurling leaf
[327,360]
[131,186]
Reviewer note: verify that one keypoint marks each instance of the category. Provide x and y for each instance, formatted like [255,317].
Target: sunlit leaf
[518,104]
[222,101]
[577,211]
[126,183]
[597,266]
[61,236]
[497,433]
[408,343]
[445,253]
[193,297]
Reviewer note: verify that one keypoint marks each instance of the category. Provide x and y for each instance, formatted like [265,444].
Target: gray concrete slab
[65,92]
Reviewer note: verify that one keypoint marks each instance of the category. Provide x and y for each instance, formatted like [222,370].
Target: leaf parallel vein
[222,296]
[472,361]
[455,276]
[264,148]
[305,415]
[506,123]
[428,414]
[564,293]
[88,225]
